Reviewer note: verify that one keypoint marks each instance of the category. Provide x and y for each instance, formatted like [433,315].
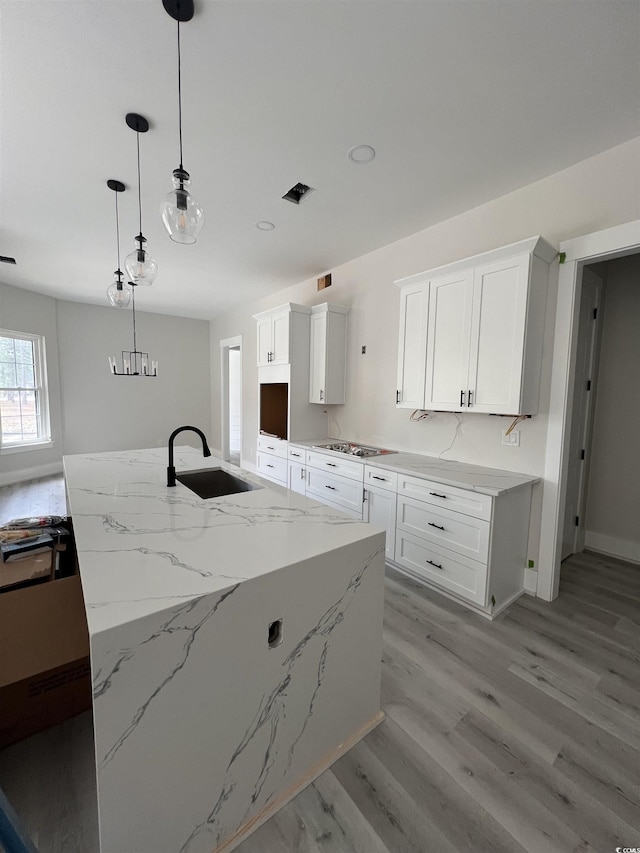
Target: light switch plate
[513,439]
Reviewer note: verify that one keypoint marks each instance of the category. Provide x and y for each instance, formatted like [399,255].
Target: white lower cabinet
[380,509]
[468,544]
[297,477]
[271,459]
[333,488]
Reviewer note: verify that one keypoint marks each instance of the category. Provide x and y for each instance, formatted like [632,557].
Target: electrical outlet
[513,439]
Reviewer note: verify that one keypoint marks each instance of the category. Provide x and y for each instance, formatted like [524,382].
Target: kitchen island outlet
[235,647]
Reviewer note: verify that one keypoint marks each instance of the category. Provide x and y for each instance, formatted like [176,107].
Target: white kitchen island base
[217,707]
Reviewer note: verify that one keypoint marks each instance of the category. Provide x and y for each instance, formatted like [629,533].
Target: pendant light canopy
[181,214]
[140,266]
[119,294]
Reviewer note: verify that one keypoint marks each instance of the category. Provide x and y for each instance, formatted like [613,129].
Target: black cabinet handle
[269,466]
[397,396]
[431,563]
[461,399]
[436,495]
[431,524]
[469,393]
[331,464]
[294,454]
[270,448]
[373,477]
[333,488]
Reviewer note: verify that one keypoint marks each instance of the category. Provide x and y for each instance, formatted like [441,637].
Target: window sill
[23,448]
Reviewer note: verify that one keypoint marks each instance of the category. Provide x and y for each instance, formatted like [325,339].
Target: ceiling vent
[297,193]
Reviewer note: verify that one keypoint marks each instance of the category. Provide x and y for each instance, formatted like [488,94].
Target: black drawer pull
[436,495]
[431,563]
[269,466]
[431,524]
[295,454]
[333,488]
[373,477]
[331,464]
[270,448]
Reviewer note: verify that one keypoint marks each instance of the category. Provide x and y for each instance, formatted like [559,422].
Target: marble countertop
[478,478]
[144,547]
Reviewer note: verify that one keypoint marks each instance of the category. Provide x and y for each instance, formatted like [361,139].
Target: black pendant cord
[180,96]
[118,271]
[139,192]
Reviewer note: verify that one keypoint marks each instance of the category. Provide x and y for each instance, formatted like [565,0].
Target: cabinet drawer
[274,446]
[462,533]
[297,454]
[453,572]
[338,490]
[380,477]
[352,513]
[273,467]
[335,465]
[449,497]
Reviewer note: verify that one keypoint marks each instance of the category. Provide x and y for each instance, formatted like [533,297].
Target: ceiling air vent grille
[297,193]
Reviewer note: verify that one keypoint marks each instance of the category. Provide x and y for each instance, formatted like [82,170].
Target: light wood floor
[517,735]
[45,496]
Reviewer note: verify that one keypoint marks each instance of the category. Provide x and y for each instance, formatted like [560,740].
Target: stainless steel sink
[214,483]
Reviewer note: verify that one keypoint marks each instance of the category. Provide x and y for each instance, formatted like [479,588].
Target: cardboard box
[44,663]
[26,569]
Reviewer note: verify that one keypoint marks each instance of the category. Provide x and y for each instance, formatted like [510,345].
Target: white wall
[24,311]
[106,412]
[597,193]
[613,491]
[91,410]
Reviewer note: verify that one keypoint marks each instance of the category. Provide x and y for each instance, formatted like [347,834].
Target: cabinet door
[318,361]
[448,336]
[412,346]
[264,341]
[297,481]
[280,337]
[498,336]
[380,509]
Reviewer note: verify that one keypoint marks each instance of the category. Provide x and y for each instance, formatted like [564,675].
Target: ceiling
[462,101]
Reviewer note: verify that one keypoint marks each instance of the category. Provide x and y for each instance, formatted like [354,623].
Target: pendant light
[140,266]
[134,361]
[181,214]
[119,294]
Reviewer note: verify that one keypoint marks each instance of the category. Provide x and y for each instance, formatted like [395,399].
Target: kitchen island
[235,647]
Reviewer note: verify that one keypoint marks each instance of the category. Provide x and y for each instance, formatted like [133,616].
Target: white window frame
[42,393]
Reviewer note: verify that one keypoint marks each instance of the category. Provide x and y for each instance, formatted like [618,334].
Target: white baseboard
[530,581]
[30,473]
[623,549]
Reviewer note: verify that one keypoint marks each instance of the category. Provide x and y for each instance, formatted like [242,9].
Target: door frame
[594,330]
[590,248]
[225,345]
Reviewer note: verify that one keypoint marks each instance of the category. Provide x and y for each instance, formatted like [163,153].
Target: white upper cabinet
[448,337]
[412,345]
[274,334]
[328,353]
[484,326]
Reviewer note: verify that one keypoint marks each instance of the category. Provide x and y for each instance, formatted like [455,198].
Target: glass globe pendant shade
[119,295]
[140,266]
[181,214]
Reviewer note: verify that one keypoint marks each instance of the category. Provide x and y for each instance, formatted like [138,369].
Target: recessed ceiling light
[361,154]
[263,225]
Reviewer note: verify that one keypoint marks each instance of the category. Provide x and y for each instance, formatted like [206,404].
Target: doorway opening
[614,243]
[231,399]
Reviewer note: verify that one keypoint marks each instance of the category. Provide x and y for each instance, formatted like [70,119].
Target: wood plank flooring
[44,496]
[517,735]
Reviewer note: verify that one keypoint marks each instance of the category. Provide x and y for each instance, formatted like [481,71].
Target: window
[24,408]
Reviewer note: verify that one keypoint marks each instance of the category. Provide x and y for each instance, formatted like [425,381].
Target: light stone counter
[203,729]
[478,478]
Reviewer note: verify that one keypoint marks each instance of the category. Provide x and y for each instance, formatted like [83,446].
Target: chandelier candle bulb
[112,364]
[154,367]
